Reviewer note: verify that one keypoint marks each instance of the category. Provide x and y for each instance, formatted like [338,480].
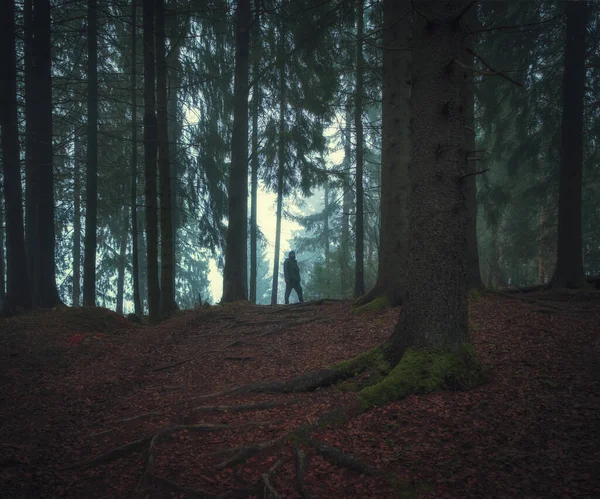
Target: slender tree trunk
[135,266]
[346,206]
[91,212]
[235,275]
[281,166]
[76,219]
[434,314]
[30,141]
[470,182]
[326,223]
[18,293]
[255,164]
[121,266]
[2,265]
[43,234]
[569,271]
[2,256]
[150,167]
[174,72]
[395,155]
[359,270]
[167,292]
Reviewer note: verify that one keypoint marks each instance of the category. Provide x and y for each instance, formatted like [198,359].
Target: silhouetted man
[291,272]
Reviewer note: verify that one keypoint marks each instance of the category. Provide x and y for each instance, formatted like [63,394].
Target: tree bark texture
[121,266]
[235,273]
[345,281]
[42,178]
[395,153]
[569,271]
[135,266]
[167,290]
[434,312]
[281,166]
[18,292]
[76,219]
[359,269]
[255,163]
[150,167]
[91,212]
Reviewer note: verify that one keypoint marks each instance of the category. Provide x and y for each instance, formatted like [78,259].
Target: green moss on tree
[425,371]
[372,358]
[378,303]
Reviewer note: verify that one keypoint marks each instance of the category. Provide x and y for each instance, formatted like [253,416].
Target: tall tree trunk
[121,266]
[18,292]
[326,223]
[30,141]
[470,183]
[174,72]
[43,234]
[167,291]
[150,145]
[235,276]
[281,166]
[434,314]
[91,190]
[346,206]
[255,163]
[395,155]
[76,218]
[569,271]
[2,265]
[135,266]
[359,270]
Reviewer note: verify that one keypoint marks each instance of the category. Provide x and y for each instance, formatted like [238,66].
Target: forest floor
[92,406]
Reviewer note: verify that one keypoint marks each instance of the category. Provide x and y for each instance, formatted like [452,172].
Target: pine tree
[235,277]
[18,292]
[91,212]
[150,166]
[569,262]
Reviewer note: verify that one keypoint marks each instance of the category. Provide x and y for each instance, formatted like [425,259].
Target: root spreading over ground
[246,401]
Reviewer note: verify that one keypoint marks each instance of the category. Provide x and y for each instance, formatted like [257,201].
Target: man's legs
[288,290]
[298,290]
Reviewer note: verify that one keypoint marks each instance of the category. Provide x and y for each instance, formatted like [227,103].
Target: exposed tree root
[241,343]
[245,453]
[341,458]
[267,476]
[112,455]
[368,297]
[147,415]
[301,465]
[138,445]
[303,383]
[259,406]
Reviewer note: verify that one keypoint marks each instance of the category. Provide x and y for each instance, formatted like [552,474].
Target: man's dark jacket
[291,271]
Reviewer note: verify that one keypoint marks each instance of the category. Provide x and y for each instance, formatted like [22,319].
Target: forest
[435,167]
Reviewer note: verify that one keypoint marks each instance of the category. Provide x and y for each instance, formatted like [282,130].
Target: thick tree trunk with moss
[359,269]
[395,155]
[167,290]
[235,273]
[18,292]
[569,271]
[150,150]
[434,314]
